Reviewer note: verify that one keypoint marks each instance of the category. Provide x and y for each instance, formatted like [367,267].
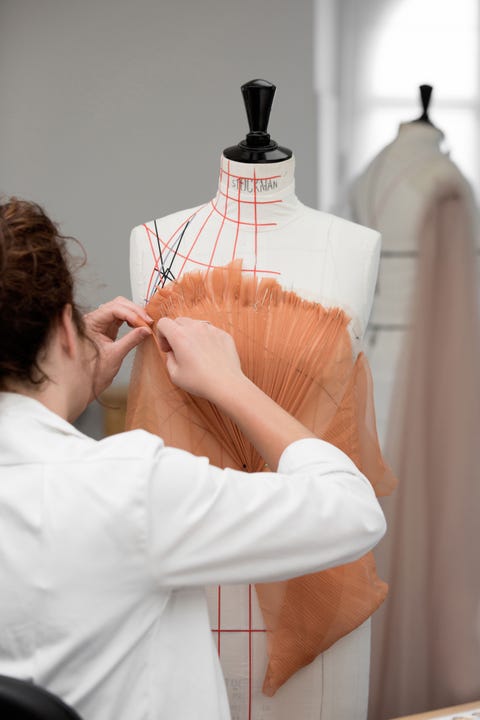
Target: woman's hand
[200,358]
[102,326]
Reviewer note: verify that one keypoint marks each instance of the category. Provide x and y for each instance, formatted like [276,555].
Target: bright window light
[403,44]
[432,40]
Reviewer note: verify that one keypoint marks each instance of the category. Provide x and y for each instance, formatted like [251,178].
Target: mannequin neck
[260,195]
[420,132]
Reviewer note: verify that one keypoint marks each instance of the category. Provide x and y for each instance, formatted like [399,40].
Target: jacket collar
[28,429]
[15,403]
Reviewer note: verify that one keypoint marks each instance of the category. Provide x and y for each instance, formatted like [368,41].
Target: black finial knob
[258,147]
[258,98]
[425,95]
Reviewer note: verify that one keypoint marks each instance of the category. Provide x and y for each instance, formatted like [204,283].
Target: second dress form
[257,217]
[426,318]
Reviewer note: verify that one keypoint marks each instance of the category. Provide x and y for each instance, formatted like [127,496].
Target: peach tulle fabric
[300,354]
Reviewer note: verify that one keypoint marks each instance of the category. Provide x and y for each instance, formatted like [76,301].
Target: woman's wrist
[230,395]
[266,424]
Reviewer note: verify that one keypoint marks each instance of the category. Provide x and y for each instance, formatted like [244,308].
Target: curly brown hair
[36,283]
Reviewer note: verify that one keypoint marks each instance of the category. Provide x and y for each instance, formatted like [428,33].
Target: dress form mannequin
[256,216]
[417,197]
[398,183]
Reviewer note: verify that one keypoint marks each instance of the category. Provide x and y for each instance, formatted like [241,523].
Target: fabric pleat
[300,354]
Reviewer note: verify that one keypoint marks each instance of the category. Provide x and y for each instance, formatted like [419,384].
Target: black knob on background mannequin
[258,147]
[425,95]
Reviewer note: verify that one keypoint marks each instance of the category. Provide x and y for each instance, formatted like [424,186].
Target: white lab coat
[105,548]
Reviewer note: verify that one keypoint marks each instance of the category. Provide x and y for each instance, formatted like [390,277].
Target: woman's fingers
[130,340]
[128,306]
[169,331]
[200,356]
[175,334]
[102,326]
[107,318]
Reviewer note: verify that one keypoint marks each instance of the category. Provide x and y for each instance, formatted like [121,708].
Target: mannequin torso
[257,217]
[399,183]
[417,197]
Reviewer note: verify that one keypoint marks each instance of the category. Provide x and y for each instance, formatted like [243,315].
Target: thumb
[131,340]
[171,364]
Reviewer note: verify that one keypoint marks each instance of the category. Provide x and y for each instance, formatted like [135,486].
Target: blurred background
[114,112]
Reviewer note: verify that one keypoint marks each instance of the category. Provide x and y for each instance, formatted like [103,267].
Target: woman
[105,546]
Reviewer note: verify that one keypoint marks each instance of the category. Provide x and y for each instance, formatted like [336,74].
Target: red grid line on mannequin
[244,177]
[242,222]
[220,229]
[238,218]
[155,265]
[187,257]
[219,618]
[242,204]
[250,202]
[166,246]
[169,244]
[239,630]
[196,262]
[256,219]
[219,598]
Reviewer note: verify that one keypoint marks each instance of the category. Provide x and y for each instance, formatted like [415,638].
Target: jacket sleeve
[208,526]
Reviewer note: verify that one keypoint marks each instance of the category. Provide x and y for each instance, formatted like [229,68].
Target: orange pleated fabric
[300,354]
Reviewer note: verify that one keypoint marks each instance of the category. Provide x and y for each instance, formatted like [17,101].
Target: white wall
[116,111]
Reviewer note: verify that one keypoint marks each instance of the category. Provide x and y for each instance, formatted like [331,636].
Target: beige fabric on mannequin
[424,654]
[426,641]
